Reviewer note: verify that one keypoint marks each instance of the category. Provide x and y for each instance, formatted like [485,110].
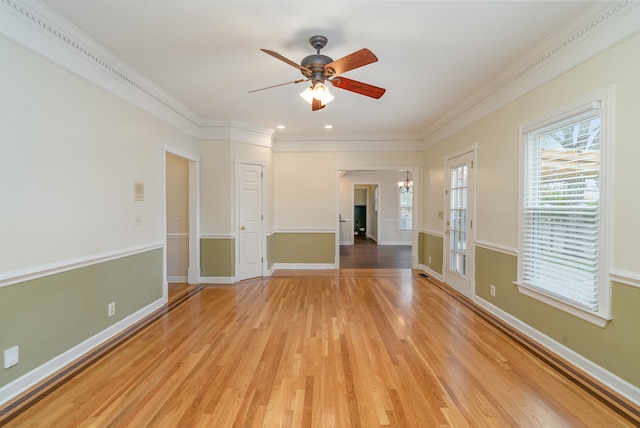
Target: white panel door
[458,234]
[249,194]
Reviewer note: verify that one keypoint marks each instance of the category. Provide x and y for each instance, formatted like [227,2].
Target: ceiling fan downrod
[314,65]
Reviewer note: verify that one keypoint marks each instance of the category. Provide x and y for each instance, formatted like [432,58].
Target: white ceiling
[433,55]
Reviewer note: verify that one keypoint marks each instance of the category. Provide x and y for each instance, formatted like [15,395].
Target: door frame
[236,217]
[416,205]
[449,160]
[193,271]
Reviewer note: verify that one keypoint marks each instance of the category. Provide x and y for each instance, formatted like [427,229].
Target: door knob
[242,228]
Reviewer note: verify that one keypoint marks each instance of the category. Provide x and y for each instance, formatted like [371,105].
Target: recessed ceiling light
[328,127]
[280,127]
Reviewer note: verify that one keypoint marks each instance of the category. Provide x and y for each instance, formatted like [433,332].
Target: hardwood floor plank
[349,348]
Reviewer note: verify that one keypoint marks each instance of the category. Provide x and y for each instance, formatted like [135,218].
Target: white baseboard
[606,377]
[175,279]
[299,266]
[58,363]
[394,243]
[430,272]
[217,279]
[193,274]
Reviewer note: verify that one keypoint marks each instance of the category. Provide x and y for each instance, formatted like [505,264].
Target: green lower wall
[301,248]
[614,347]
[430,246]
[48,316]
[217,257]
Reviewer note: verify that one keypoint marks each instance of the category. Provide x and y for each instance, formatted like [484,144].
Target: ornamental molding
[591,33]
[40,29]
[345,143]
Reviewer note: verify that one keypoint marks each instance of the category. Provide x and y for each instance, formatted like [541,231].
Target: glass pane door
[458,221]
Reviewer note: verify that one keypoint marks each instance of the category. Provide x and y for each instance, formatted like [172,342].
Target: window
[561,225]
[406,210]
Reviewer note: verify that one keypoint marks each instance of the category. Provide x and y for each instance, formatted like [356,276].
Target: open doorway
[376,231]
[182,255]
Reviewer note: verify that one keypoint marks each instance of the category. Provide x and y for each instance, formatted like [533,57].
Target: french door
[458,233]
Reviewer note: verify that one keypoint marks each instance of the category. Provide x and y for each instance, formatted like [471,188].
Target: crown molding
[235,130]
[347,143]
[604,25]
[41,30]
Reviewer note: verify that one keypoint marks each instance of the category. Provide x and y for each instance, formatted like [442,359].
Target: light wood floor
[348,348]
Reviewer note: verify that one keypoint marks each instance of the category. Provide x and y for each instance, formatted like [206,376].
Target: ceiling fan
[319,68]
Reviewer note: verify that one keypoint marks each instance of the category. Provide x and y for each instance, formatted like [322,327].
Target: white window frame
[400,228]
[603,100]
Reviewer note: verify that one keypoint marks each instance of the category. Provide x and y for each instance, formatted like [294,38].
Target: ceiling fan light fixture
[319,91]
[307,95]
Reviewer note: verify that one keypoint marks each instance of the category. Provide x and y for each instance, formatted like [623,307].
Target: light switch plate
[138,191]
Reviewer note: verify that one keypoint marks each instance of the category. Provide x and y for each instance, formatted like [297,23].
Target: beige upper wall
[71,153]
[306,183]
[498,139]
[216,191]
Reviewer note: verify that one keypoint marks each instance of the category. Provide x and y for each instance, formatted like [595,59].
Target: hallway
[366,254]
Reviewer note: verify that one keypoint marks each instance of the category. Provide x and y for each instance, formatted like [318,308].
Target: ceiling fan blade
[287,60]
[351,61]
[316,105]
[281,84]
[358,87]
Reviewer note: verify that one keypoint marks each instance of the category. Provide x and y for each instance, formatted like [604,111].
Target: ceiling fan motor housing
[315,63]
[315,66]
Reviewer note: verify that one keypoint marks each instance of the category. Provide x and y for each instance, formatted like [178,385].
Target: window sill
[594,318]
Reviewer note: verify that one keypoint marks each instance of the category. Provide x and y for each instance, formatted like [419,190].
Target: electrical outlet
[429,259]
[11,357]
[492,290]
[111,309]
[138,220]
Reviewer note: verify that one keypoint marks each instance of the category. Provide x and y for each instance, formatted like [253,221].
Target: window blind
[561,217]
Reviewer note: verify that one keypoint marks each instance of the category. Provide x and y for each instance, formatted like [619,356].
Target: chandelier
[406,186]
